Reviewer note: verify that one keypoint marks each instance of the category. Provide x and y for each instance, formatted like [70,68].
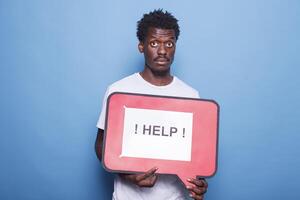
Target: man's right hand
[146,179]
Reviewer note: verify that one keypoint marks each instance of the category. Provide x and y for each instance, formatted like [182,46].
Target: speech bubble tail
[184,179]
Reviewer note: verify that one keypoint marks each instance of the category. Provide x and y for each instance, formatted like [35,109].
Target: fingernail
[189,179]
[188,187]
[190,195]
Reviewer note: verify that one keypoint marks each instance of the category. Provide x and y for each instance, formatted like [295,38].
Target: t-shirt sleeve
[101,120]
[197,95]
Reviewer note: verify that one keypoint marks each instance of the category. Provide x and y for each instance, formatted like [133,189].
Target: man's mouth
[161,61]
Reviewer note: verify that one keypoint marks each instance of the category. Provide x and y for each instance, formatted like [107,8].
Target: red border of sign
[114,123]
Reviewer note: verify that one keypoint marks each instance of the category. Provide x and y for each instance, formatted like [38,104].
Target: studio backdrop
[57,58]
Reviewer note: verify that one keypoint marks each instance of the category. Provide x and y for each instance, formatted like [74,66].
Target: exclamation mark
[183,132]
[135,128]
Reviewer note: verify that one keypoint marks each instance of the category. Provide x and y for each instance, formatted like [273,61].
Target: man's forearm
[99,144]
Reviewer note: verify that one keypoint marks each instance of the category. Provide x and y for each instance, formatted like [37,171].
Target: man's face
[159,49]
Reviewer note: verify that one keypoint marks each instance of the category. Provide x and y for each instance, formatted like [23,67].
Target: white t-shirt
[166,186]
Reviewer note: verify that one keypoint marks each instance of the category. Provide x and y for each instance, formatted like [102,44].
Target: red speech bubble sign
[177,135]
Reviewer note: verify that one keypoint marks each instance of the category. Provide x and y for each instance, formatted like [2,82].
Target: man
[157,32]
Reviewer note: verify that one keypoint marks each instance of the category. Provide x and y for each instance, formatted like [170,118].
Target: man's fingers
[147,174]
[199,183]
[204,182]
[197,190]
[197,197]
[148,182]
[152,170]
[154,179]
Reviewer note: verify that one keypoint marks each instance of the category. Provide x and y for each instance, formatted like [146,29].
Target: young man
[157,32]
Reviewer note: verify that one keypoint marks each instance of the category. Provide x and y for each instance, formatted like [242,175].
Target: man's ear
[141,47]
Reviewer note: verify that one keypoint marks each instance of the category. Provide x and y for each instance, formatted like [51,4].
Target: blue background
[57,58]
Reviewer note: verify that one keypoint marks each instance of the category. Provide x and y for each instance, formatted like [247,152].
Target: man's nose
[161,50]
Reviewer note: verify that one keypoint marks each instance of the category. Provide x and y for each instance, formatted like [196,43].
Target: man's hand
[146,179]
[198,189]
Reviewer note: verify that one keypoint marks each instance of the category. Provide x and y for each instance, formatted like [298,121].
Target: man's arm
[146,179]
[99,143]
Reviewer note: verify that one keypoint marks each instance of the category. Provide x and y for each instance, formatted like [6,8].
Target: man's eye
[154,44]
[169,44]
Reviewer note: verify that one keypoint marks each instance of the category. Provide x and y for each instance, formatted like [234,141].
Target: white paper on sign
[157,134]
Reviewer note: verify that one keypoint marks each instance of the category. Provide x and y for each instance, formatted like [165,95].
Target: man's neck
[161,79]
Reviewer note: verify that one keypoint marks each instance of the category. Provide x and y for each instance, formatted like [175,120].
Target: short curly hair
[156,19]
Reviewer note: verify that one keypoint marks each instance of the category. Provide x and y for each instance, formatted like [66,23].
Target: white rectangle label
[157,134]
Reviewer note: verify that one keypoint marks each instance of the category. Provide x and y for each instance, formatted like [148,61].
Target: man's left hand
[198,188]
